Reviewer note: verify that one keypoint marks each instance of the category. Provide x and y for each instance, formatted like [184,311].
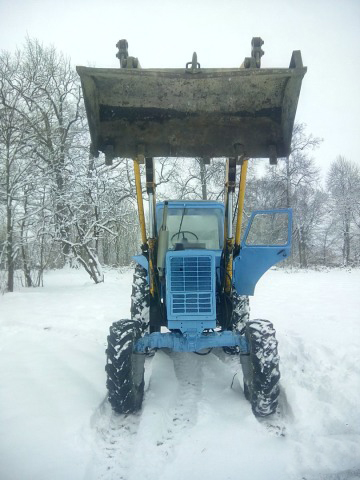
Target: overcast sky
[164,33]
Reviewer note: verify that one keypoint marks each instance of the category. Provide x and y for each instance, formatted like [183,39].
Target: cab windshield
[194,228]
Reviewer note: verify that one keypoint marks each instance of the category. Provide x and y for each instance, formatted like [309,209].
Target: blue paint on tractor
[254,259]
[259,251]
[192,342]
[141,260]
[193,273]
[191,289]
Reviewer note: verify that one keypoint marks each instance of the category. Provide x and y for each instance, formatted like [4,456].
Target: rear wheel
[125,369]
[261,368]
[239,317]
[140,297]
[241,311]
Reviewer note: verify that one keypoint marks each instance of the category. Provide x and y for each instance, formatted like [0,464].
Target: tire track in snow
[184,391]
[170,411]
[274,424]
[115,437]
[189,372]
[187,394]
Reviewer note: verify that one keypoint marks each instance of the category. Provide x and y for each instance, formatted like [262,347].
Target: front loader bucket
[192,112]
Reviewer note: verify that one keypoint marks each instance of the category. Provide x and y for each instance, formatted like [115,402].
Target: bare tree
[16,154]
[293,183]
[343,182]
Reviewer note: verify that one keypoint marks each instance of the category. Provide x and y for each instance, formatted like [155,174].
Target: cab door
[267,241]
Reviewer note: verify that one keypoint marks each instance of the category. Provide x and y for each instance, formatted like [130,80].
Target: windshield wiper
[181,222]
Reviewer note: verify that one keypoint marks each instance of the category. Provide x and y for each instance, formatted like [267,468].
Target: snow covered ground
[56,424]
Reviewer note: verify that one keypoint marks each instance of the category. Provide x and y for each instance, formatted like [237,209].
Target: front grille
[190,274]
[190,285]
[191,303]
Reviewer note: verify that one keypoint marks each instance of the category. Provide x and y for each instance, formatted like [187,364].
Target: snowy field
[56,424]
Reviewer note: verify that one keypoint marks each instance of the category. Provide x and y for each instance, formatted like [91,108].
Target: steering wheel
[182,232]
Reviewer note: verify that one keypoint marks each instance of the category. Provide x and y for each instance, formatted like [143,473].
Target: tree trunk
[60,209]
[9,246]
[325,251]
[26,267]
[88,259]
[346,246]
[302,248]
[9,227]
[288,183]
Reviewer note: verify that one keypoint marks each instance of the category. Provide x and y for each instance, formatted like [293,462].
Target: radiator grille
[191,285]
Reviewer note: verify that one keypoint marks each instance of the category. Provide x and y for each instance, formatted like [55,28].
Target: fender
[142,260]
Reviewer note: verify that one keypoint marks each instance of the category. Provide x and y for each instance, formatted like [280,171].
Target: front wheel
[124,368]
[261,368]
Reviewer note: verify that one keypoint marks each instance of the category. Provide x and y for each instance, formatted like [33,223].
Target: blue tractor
[196,271]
